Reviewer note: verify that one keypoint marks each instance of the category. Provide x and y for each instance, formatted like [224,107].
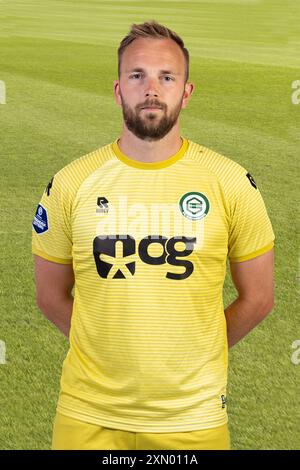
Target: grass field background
[58,60]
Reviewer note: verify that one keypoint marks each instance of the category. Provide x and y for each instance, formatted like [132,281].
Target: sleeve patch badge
[251,179]
[40,221]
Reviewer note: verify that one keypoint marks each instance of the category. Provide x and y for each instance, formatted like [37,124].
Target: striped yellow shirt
[149,243]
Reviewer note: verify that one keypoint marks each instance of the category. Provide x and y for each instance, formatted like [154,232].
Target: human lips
[151,107]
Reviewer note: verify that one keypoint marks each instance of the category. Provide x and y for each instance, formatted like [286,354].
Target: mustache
[151,104]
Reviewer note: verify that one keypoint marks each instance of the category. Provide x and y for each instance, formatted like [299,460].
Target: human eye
[168,78]
[135,75]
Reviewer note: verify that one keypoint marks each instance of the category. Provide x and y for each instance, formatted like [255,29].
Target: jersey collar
[150,165]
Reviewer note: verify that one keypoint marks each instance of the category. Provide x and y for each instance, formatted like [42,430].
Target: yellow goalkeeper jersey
[148,243]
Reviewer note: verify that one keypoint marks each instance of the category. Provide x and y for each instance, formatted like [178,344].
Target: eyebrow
[139,69]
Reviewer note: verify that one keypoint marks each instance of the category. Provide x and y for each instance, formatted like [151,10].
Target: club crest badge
[194,206]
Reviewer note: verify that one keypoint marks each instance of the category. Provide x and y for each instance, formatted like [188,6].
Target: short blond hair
[154,30]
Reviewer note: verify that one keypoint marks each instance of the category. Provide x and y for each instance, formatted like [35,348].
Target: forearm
[59,312]
[242,316]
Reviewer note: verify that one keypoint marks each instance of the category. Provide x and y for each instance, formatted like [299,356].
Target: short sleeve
[251,233]
[51,225]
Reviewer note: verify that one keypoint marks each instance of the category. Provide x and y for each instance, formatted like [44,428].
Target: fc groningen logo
[194,205]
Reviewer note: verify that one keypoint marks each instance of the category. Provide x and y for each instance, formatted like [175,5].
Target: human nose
[151,88]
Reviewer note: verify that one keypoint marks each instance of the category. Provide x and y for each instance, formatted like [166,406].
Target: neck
[154,151]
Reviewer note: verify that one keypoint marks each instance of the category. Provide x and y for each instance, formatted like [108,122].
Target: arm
[54,283]
[253,280]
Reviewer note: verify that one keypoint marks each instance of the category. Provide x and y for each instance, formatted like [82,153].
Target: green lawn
[58,60]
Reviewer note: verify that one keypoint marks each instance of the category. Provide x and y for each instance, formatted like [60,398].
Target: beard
[150,125]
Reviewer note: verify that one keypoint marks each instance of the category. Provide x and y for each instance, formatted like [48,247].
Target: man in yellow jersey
[142,228]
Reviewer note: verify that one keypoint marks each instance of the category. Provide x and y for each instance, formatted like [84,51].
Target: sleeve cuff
[254,254]
[51,258]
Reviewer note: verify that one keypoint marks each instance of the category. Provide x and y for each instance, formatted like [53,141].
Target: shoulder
[218,163]
[70,177]
[231,174]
